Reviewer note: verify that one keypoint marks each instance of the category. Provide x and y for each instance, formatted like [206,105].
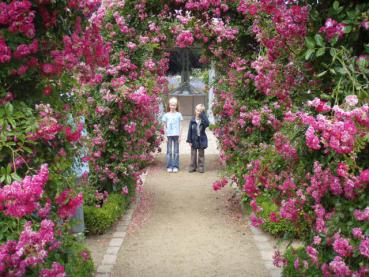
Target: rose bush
[39,58]
[301,128]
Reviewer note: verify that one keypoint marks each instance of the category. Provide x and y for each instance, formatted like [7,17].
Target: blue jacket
[198,142]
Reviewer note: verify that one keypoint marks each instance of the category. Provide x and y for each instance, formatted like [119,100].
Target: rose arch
[290,106]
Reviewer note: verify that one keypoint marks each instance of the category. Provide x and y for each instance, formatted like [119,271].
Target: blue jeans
[173,155]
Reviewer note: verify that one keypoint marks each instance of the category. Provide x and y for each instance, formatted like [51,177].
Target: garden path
[183,228]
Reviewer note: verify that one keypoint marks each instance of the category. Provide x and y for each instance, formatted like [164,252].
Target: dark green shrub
[289,269]
[99,220]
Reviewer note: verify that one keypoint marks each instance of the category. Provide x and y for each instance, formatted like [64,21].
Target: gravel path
[188,229]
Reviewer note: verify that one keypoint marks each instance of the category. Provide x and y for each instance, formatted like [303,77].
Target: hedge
[99,220]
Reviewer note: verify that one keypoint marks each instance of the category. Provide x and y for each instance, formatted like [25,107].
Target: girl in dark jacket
[197,139]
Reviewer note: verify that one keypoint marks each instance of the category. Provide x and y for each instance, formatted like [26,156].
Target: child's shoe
[170,170]
[201,170]
[191,170]
[175,170]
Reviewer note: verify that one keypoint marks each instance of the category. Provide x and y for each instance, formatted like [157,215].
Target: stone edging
[111,254]
[266,251]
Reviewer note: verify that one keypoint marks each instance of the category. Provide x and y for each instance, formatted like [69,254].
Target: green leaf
[16,177]
[321,74]
[27,149]
[336,5]
[12,122]
[366,47]
[334,40]
[333,52]
[309,53]
[325,96]
[310,43]
[9,108]
[341,70]
[347,29]
[319,40]
[320,52]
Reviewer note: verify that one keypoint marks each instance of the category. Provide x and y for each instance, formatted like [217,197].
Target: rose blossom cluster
[220,184]
[19,17]
[284,147]
[48,125]
[223,32]
[68,203]
[332,28]
[22,198]
[30,250]
[185,39]
[74,136]
[338,132]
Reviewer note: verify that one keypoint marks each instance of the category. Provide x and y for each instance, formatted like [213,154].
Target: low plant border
[99,220]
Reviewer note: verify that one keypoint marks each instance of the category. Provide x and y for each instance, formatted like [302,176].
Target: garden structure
[186,89]
[81,83]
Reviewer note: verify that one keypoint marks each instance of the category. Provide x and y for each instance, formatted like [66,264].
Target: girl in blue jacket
[197,139]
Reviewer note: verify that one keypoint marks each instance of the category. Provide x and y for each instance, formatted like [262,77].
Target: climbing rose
[332,28]
[364,248]
[365,24]
[362,215]
[185,39]
[256,221]
[47,90]
[342,169]
[313,254]
[76,135]
[339,267]
[351,100]
[67,204]
[130,128]
[289,209]
[364,176]
[31,249]
[125,190]
[57,270]
[220,184]
[342,246]
[21,198]
[357,233]
[5,52]
[278,259]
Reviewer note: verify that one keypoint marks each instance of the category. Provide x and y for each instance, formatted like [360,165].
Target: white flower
[351,100]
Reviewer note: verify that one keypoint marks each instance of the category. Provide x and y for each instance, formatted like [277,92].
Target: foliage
[99,220]
[39,138]
[292,125]
[280,228]
[289,269]
[79,261]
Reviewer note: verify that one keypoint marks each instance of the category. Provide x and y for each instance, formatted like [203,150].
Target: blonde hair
[173,100]
[201,106]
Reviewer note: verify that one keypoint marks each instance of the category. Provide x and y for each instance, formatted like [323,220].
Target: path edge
[106,266]
[263,244]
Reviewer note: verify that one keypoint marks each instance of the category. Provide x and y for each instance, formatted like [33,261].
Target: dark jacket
[198,142]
